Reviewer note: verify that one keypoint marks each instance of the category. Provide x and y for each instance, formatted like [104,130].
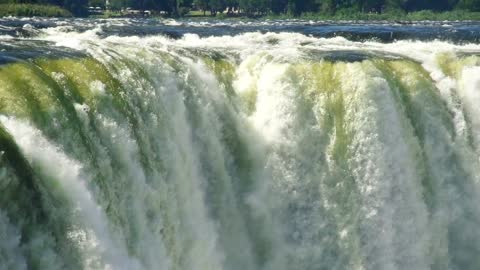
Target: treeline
[263,7]
[294,7]
[76,7]
[29,10]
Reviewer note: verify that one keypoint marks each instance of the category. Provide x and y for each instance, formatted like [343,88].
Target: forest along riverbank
[412,10]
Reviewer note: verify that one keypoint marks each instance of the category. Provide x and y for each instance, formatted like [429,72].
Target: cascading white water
[257,151]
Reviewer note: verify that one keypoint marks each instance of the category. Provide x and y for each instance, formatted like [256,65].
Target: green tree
[76,7]
[394,5]
[279,6]
[217,6]
[96,3]
[371,5]
[202,4]
[327,6]
[472,5]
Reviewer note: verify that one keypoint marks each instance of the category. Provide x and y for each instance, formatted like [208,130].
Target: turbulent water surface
[239,145]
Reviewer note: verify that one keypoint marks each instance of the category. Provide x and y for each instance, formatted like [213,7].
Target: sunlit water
[234,145]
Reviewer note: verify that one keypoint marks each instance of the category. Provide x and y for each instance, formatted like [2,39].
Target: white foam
[101,250]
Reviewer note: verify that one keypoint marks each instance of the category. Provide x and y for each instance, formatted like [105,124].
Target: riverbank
[342,15]
[424,15]
[30,10]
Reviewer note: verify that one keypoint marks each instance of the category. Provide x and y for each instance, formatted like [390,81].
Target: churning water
[239,145]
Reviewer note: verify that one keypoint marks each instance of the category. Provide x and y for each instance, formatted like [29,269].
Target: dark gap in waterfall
[350,56]
[15,159]
[28,50]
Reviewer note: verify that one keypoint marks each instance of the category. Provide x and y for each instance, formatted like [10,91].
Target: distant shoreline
[38,10]
[424,15]
[33,10]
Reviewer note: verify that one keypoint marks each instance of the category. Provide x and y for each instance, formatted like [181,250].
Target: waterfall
[261,151]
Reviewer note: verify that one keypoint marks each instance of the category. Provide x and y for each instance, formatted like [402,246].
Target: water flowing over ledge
[382,31]
[254,151]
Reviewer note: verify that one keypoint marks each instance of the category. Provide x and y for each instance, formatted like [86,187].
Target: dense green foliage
[43,7]
[328,8]
[297,7]
[29,10]
[421,15]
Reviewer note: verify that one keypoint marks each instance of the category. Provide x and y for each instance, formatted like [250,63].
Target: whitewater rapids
[259,151]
